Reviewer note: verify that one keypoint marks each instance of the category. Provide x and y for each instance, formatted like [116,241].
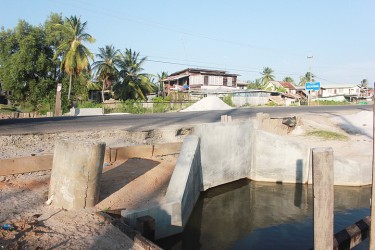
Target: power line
[165,27]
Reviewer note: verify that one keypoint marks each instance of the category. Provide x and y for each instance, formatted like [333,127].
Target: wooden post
[322,167]
[372,232]
[58,111]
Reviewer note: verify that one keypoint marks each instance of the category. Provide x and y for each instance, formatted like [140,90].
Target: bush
[228,100]
[329,102]
[89,104]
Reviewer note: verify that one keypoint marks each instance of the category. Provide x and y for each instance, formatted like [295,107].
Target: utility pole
[309,97]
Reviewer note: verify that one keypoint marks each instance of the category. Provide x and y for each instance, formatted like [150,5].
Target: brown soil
[129,184]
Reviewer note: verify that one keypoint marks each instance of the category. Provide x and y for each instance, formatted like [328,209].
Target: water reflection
[256,215]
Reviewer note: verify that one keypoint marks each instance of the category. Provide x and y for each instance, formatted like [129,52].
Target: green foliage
[128,106]
[27,69]
[257,84]
[267,76]
[328,102]
[328,135]
[306,78]
[106,68]
[271,104]
[288,79]
[228,100]
[89,104]
[75,56]
[132,84]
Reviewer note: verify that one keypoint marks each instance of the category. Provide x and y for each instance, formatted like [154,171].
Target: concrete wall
[183,191]
[276,159]
[240,101]
[226,151]
[86,111]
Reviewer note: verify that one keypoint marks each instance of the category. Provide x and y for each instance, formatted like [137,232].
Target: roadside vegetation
[328,135]
[320,102]
[35,59]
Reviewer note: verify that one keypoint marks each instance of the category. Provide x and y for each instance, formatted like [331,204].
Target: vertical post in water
[322,168]
[372,225]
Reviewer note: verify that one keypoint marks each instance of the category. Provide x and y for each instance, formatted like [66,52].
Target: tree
[257,84]
[161,76]
[306,78]
[27,69]
[106,67]
[133,84]
[267,76]
[75,56]
[364,84]
[288,79]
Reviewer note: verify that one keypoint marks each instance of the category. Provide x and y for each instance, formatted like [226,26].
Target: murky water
[255,215]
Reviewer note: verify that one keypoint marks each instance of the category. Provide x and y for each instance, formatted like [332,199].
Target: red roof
[287,85]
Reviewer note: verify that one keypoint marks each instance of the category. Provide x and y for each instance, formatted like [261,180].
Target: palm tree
[267,76]
[288,79]
[106,67]
[306,78]
[75,56]
[133,84]
[161,76]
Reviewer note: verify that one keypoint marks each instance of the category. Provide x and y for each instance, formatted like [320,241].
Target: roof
[202,71]
[174,77]
[339,87]
[287,85]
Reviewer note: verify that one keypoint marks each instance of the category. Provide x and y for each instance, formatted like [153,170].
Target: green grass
[328,135]
[327,103]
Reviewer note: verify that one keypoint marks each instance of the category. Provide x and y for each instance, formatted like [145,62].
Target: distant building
[342,93]
[242,85]
[197,79]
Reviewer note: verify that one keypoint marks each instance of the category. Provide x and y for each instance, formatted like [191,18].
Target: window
[205,80]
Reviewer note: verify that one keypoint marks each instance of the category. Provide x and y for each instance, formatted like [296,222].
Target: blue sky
[241,37]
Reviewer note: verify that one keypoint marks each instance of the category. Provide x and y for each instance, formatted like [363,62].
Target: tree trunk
[70,86]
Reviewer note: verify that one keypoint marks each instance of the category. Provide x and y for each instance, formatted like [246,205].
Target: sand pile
[359,123]
[208,103]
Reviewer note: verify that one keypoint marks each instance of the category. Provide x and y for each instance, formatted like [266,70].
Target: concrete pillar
[76,173]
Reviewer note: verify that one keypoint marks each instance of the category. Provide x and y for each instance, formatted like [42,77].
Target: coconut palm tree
[75,56]
[106,67]
[133,83]
[288,79]
[267,76]
[306,78]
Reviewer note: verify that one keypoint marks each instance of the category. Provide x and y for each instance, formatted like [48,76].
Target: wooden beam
[25,164]
[322,168]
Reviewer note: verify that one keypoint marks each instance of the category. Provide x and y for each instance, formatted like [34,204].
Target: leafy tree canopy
[267,75]
[27,69]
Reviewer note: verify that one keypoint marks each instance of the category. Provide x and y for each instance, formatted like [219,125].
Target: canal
[258,215]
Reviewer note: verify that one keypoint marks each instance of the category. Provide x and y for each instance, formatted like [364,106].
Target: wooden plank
[25,164]
[322,168]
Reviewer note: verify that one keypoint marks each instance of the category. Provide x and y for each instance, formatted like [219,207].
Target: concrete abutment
[219,153]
